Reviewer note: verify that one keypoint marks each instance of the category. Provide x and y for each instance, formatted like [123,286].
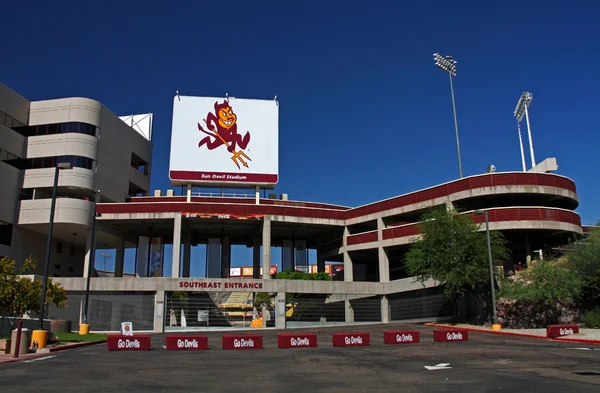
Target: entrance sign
[401,337]
[301,340]
[127,328]
[359,339]
[119,342]
[178,342]
[450,335]
[249,341]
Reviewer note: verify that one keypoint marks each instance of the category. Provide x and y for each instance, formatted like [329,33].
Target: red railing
[470,183]
[360,238]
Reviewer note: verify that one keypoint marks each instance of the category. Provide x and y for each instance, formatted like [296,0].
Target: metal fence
[209,310]
[334,309]
[108,309]
[422,304]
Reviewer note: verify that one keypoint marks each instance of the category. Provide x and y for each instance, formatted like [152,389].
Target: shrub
[591,318]
[543,295]
[524,314]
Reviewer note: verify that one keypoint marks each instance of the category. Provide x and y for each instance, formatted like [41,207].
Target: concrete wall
[10,178]
[27,243]
[69,144]
[117,142]
[11,141]
[14,104]
[44,178]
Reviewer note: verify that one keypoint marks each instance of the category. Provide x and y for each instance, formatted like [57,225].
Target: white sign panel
[226,142]
[127,328]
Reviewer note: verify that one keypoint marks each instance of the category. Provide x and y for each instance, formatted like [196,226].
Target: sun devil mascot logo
[221,128]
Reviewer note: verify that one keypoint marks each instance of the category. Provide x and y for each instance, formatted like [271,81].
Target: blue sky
[364,113]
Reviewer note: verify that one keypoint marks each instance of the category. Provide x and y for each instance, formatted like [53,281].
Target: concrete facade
[105,153]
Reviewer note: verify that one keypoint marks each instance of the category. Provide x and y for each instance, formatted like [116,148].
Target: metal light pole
[448,64]
[59,166]
[105,255]
[520,111]
[91,260]
[489,246]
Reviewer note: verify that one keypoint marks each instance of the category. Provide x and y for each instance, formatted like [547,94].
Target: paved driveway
[487,363]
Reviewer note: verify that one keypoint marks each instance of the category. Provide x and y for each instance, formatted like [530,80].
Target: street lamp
[520,111]
[495,326]
[59,166]
[448,64]
[105,255]
[91,259]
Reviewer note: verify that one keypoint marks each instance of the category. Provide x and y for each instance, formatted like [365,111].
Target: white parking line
[35,360]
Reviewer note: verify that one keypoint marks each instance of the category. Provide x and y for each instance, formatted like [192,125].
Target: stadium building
[102,164]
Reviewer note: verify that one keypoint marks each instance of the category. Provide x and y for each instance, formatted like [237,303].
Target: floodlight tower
[448,64]
[520,111]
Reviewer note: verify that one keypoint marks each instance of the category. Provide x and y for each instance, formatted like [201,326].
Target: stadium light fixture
[448,64]
[522,110]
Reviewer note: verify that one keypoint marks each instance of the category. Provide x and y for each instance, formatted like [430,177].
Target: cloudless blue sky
[364,113]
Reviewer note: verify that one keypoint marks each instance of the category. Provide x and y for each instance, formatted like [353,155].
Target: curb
[561,339]
[53,349]
[75,345]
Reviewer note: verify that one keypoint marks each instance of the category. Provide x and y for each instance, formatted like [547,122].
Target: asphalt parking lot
[486,363]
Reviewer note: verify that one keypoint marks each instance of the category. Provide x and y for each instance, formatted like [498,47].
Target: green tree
[20,296]
[584,259]
[454,253]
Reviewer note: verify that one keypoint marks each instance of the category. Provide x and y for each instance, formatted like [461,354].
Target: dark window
[57,266]
[73,251]
[52,129]
[59,246]
[70,270]
[6,233]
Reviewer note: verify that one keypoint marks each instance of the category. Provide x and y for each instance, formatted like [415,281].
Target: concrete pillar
[348,271]
[159,312]
[385,309]
[189,193]
[225,256]
[449,206]
[349,311]
[187,255]
[86,262]
[527,252]
[257,195]
[320,261]
[175,265]
[384,263]
[287,255]
[280,311]
[256,257]
[120,259]
[266,244]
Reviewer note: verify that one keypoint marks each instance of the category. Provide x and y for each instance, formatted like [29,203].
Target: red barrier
[450,335]
[249,341]
[118,342]
[177,342]
[359,339]
[561,330]
[302,340]
[401,337]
